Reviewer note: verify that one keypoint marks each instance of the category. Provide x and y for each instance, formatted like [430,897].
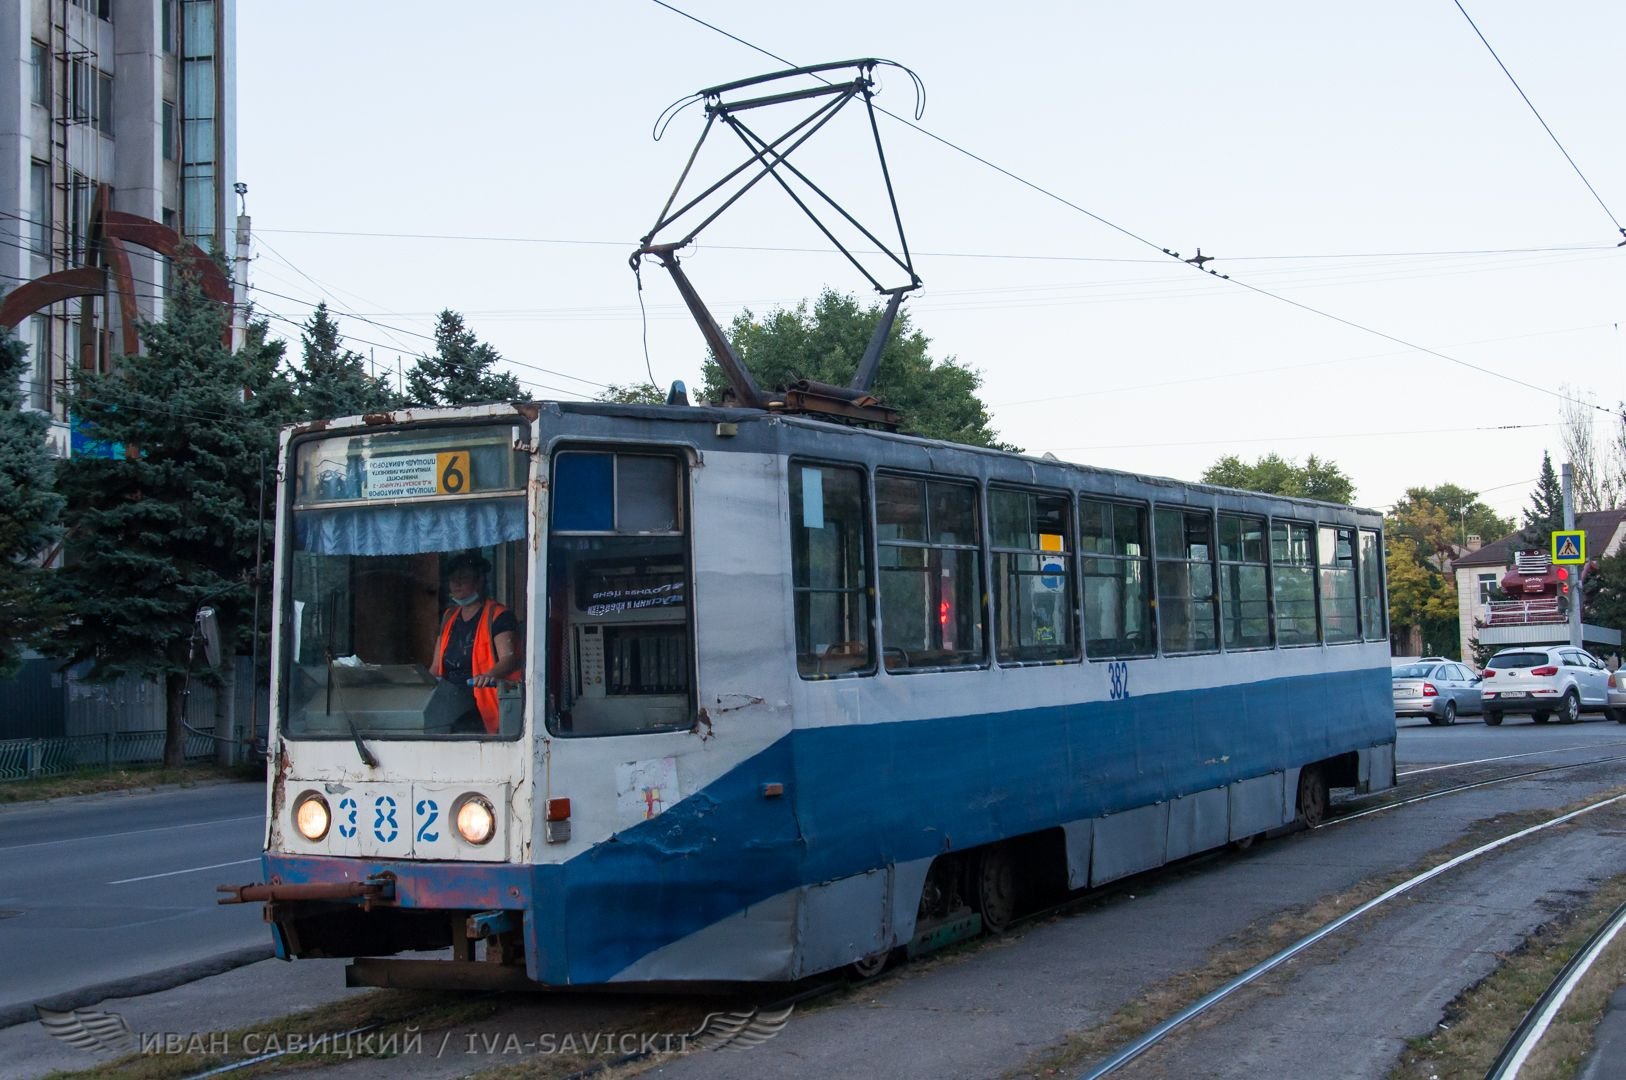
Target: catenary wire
[1023,181]
[1539,118]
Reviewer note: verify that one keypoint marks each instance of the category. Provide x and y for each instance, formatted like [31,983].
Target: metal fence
[29,759]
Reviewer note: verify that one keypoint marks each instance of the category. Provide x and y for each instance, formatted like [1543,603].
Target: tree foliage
[461,370]
[644,393]
[167,521]
[29,506]
[1545,513]
[1442,518]
[1276,475]
[332,380]
[938,398]
[1605,592]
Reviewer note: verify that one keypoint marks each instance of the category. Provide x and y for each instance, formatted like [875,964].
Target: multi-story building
[133,99]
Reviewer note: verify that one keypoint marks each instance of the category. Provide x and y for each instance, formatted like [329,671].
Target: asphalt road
[980,1013]
[118,887]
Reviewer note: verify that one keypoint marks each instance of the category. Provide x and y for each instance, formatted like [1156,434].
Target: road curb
[152,983]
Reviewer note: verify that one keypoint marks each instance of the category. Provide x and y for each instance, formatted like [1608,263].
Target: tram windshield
[406,586]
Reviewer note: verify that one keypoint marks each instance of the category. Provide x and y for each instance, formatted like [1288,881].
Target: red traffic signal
[1563,580]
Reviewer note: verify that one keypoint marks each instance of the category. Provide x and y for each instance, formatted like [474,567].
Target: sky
[1417,275]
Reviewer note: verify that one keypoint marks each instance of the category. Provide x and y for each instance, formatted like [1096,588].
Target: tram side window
[1033,595]
[1117,579]
[1244,586]
[1338,600]
[829,556]
[1188,613]
[930,571]
[619,650]
[1374,619]
[1292,555]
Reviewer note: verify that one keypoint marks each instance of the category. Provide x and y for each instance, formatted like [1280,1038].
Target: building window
[1339,619]
[168,28]
[1292,557]
[1244,584]
[37,390]
[1374,618]
[829,558]
[1487,588]
[42,73]
[39,206]
[104,103]
[79,89]
[1117,579]
[1188,616]
[169,130]
[80,192]
[1033,594]
[931,573]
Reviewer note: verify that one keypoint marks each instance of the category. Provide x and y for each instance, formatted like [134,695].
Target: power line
[1539,119]
[1033,186]
[1013,256]
[1274,438]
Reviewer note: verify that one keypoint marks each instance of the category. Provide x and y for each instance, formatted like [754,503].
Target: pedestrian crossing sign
[1569,547]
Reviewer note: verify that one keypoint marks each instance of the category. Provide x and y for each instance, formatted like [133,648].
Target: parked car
[1615,709]
[1544,681]
[1438,689]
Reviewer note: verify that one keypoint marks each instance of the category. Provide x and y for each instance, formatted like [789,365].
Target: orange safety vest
[483,659]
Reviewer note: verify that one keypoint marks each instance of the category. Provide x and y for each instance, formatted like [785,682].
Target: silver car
[1438,689]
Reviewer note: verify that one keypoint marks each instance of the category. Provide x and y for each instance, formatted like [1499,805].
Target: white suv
[1544,680]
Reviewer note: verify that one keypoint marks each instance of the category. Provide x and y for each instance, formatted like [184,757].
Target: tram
[792,695]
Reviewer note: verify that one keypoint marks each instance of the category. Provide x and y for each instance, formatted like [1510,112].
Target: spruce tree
[29,506]
[168,522]
[459,371]
[333,380]
[1546,511]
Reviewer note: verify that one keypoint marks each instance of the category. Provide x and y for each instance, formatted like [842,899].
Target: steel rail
[1467,787]
[1535,1023]
[1504,757]
[1157,1034]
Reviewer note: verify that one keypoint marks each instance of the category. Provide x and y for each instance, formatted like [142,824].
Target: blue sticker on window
[584,492]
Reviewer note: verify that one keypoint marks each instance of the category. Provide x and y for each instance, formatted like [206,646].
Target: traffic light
[1563,581]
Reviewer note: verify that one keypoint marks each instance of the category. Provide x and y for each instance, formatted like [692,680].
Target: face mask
[465,601]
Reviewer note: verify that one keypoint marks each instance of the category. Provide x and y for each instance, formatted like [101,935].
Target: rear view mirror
[208,631]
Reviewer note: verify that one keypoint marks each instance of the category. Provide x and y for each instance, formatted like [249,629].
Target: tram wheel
[871,965]
[995,888]
[1313,796]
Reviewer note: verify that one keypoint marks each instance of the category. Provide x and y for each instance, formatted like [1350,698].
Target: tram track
[1135,1048]
[1072,904]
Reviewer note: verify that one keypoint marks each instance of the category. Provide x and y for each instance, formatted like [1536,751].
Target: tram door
[619,594]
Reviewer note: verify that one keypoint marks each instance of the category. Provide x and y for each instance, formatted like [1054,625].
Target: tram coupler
[379,887]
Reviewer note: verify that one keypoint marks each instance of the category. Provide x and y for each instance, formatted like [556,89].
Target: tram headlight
[476,820]
[311,816]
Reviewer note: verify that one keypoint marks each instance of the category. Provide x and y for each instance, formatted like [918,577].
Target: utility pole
[1566,475]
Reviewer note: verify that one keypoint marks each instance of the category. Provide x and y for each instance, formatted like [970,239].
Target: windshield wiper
[361,747]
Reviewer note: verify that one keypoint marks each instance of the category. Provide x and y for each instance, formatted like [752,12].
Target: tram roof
[717,414]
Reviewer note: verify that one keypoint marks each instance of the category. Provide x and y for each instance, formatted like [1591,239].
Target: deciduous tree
[938,398]
[1276,475]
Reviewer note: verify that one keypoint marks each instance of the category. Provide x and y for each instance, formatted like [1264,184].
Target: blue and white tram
[794,695]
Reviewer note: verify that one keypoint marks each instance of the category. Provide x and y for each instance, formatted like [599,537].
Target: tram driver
[477,645]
